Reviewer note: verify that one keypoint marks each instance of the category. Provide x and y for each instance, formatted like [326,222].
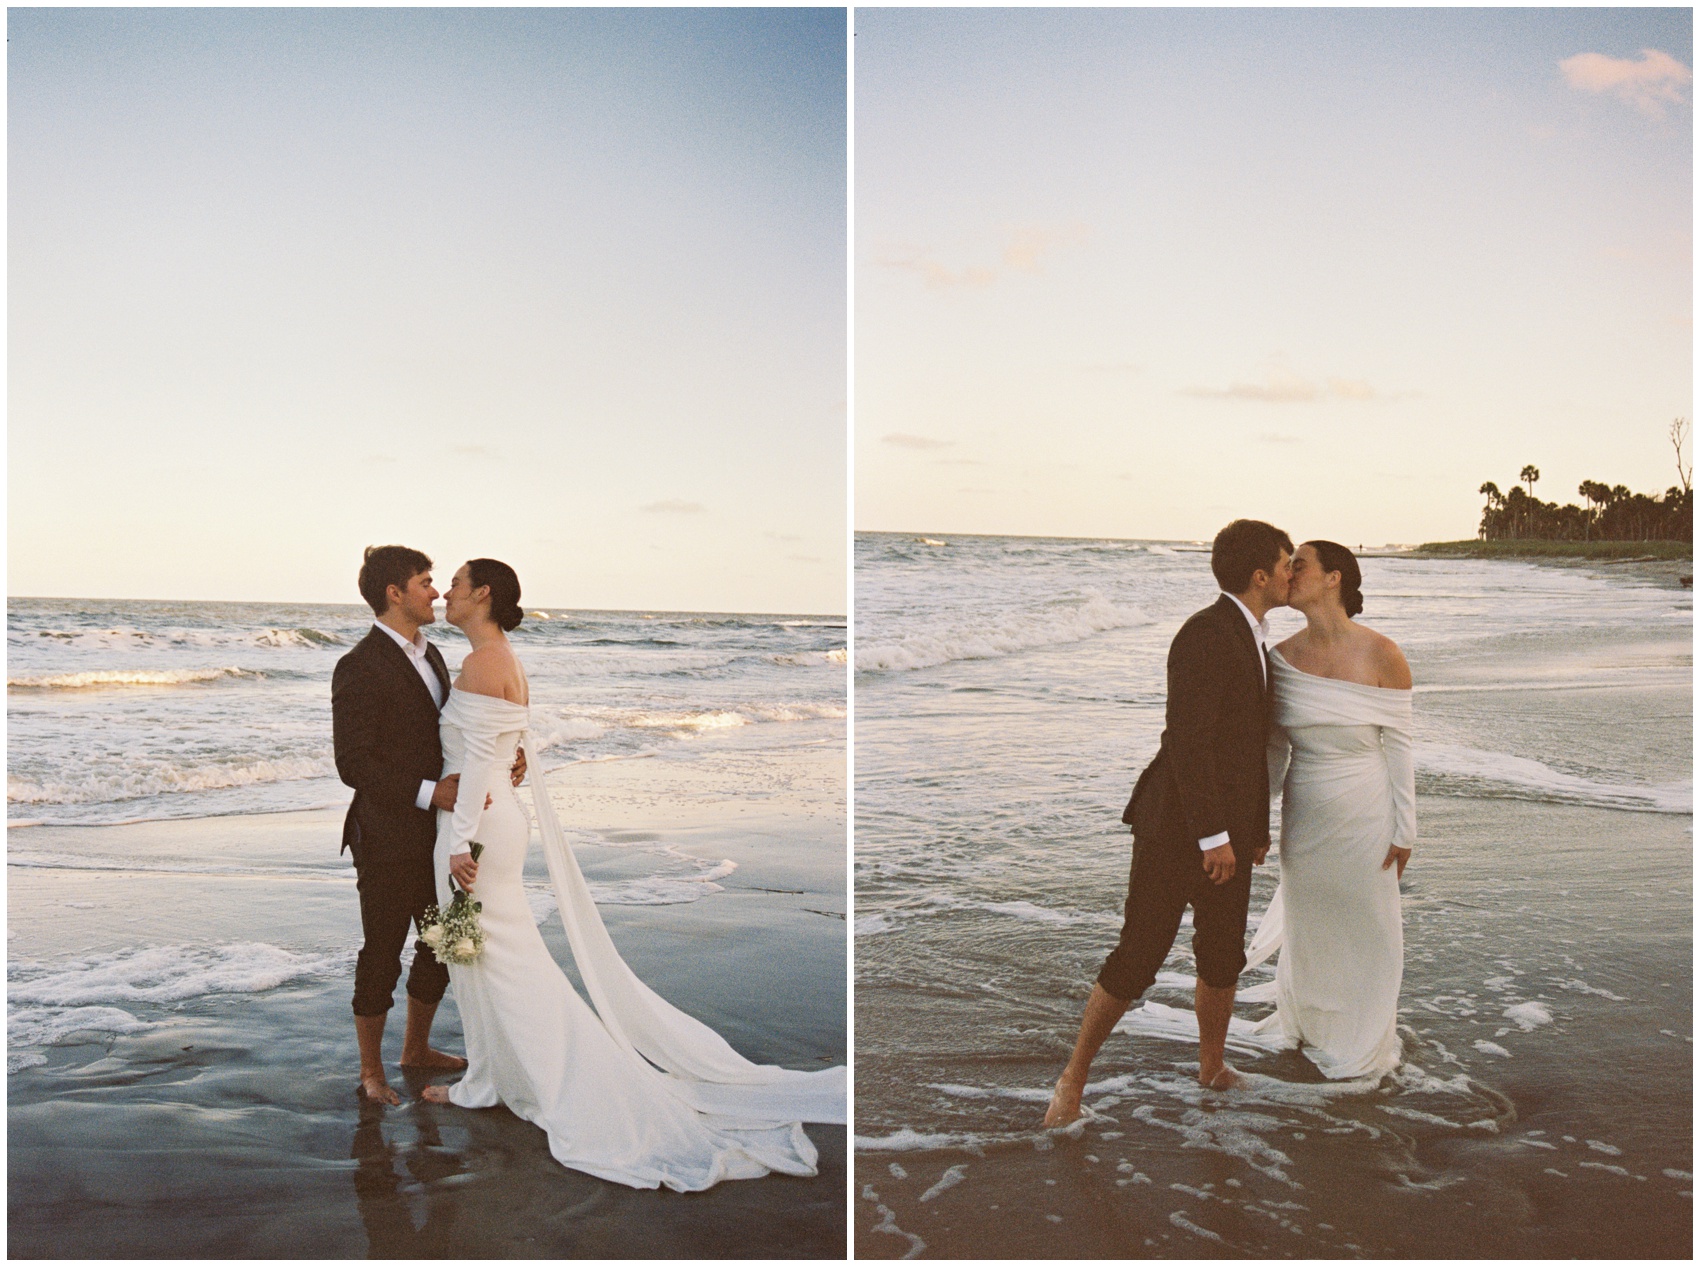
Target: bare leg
[416,1049]
[1214,1007]
[1103,1010]
[369,1031]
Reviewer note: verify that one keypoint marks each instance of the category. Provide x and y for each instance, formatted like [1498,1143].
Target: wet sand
[1169,1171]
[227,1124]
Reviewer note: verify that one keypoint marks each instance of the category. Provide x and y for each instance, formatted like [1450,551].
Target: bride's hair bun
[504,590]
[1336,558]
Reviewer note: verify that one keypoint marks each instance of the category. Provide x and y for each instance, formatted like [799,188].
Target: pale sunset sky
[1135,272]
[561,286]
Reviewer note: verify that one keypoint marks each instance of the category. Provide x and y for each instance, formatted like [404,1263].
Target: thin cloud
[1279,387]
[474,451]
[904,441]
[1025,249]
[1029,244]
[674,507]
[1271,437]
[1652,83]
[1283,387]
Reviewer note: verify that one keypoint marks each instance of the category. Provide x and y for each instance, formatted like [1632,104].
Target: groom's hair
[1242,548]
[385,566]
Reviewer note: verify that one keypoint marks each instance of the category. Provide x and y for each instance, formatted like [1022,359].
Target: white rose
[432,936]
[464,949]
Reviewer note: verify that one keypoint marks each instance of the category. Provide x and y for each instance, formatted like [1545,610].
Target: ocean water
[1007,693]
[185,715]
[130,711]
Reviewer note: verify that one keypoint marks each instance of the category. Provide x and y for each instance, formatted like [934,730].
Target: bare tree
[1679,433]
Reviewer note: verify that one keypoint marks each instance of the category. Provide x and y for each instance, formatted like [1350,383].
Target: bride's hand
[1401,855]
[464,870]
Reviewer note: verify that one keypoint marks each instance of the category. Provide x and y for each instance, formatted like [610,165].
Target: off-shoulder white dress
[635,1091]
[1348,793]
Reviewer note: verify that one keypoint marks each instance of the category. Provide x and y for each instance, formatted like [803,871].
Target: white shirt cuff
[427,789]
[464,846]
[1214,842]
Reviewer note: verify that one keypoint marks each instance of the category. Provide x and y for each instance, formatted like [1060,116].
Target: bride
[1348,822]
[636,1091]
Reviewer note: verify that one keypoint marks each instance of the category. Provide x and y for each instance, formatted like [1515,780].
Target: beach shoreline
[224,1120]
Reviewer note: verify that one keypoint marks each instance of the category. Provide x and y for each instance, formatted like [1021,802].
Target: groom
[1200,811]
[385,697]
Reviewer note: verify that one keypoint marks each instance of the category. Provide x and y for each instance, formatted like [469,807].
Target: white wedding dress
[636,1091]
[1349,792]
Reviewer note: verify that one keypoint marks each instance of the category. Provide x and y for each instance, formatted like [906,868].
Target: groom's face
[415,601]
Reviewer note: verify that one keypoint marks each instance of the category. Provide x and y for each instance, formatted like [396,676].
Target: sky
[561,287]
[1133,273]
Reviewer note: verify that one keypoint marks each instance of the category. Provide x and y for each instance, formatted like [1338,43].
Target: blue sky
[1135,272]
[564,287]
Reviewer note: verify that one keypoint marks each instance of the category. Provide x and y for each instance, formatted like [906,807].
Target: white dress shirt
[1260,634]
[416,653]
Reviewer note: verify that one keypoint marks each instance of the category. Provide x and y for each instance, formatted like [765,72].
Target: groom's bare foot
[1224,1079]
[373,1087]
[431,1058]
[435,1094]
[1065,1102]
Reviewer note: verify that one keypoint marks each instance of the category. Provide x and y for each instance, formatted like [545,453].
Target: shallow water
[1009,690]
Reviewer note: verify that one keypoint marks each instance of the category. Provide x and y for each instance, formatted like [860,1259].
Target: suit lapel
[434,658]
[1247,640]
[391,650]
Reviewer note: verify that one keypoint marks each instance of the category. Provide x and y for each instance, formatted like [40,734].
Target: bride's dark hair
[1334,557]
[504,590]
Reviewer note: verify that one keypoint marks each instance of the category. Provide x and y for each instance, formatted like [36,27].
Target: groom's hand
[1219,863]
[519,766]
[1258,857]
[448,787]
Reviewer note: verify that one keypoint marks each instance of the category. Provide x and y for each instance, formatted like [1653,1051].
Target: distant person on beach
[636,1091]
[1199,812]
[385,697]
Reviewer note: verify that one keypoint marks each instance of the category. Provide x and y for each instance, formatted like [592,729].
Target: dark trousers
[394,892]
[1166,877]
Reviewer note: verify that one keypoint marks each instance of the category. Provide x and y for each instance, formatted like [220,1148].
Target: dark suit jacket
[1210,774]
[384,729]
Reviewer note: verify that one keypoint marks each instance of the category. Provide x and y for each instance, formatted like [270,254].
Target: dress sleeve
[1280,755]
[475,776]
[1402,774]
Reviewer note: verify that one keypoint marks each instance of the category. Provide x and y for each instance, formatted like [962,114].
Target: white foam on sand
[984,639]
[28,1027]
[1456,770]
[127,677]
[950,1178]
[161,777]
[166,974]
[1528,1015]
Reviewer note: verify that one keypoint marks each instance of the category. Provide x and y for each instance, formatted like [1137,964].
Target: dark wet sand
[231,1126]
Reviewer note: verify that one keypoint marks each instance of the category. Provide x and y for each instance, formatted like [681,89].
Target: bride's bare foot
[435,1094]
[1065,1102]
[1224,1079]
[431,1058]
[373,1087]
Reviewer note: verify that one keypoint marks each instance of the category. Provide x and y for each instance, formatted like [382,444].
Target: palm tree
[1529,475]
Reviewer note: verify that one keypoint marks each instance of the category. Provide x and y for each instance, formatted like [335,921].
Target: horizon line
[528,607]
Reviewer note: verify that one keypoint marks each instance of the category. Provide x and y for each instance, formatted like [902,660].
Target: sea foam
[988,639]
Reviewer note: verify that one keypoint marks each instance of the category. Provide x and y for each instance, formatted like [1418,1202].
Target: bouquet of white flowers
[454,935]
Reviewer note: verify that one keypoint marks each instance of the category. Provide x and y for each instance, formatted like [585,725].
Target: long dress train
[1347,795]
[636,1091]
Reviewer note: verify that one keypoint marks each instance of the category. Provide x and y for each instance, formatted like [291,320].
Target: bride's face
[1310,582]
[459,603]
